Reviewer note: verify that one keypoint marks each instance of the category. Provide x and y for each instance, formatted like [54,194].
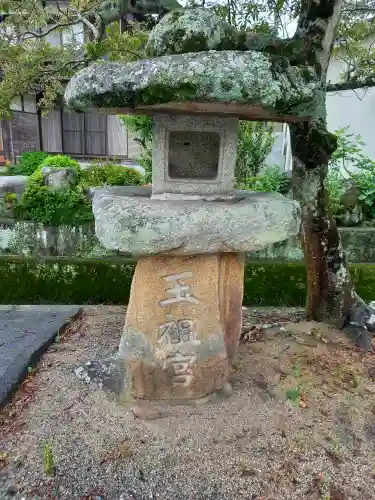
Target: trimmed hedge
[275,284]
[284,283]
[64,281]
[107,281]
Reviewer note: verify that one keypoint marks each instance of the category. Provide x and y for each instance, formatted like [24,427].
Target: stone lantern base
[183,325]
[184,316]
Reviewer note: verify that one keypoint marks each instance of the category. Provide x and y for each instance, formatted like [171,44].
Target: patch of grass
[297,370]
[48,459]
[323,483]
[294,394]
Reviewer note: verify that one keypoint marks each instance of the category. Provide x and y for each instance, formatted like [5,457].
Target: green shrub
[349,152]
[65,281]
[141,126]
[111,175]
[8,205]
[348,163]
[270,180]
[335,184]
[69,206]
[365,181]
[255,141]
[107,281]
[53,207]
[145,160]
[28,163]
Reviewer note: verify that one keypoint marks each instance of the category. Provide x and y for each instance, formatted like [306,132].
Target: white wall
[73,34]
[356,109]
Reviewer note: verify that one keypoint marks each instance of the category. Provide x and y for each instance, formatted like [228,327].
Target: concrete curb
[26,332]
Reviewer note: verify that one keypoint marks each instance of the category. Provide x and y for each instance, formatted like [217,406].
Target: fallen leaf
[3,459]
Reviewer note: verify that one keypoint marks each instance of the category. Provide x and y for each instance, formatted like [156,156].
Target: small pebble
[260,381]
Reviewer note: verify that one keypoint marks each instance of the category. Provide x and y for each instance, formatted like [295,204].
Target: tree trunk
[330,292]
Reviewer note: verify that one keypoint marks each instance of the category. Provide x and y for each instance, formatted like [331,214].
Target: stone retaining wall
[359,244]
[36,240]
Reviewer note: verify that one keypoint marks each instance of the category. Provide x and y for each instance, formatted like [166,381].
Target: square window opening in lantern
[193,155]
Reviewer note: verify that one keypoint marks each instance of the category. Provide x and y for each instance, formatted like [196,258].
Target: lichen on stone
[212,76]
[191,30]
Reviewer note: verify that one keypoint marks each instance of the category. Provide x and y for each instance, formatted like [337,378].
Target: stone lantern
[193,156]
[191,230]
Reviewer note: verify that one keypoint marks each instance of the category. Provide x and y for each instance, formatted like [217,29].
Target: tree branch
[352,84]
[49,30]
[87,23]
[262,42]
[67,65]
[110,14]
[297,49]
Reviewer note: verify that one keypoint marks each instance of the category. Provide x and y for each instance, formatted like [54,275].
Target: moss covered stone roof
[191,30]
[235,77]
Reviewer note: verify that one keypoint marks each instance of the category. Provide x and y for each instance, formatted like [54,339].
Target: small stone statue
[59,178]
[352,209]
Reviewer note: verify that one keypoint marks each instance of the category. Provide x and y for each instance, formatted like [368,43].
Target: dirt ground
[300,424]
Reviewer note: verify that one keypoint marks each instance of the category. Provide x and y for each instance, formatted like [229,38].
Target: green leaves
[255,142]
[28,163]
[142,127]
[69,206]
[270,180]
[102,174]
[294,394]
[29,62]
[350,165]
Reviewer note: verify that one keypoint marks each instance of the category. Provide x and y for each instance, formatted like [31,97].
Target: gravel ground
[300,423]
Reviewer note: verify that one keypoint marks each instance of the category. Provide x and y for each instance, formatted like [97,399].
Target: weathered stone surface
[108,374]
[27,238]
[191,30]
[59,178]
[173,340]
[351,206]
[231,279]
[13,184]
[213,76]
[145,226]
[177,164]
[25,333]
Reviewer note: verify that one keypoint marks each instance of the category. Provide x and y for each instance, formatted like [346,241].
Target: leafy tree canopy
[29,62]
